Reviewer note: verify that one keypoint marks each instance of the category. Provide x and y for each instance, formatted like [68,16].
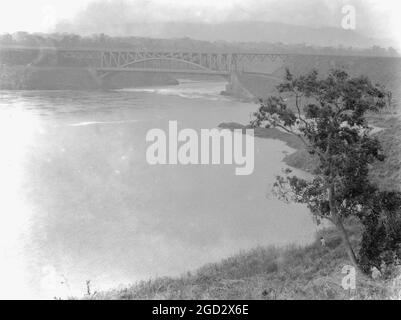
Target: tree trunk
[339,224]
[348,246]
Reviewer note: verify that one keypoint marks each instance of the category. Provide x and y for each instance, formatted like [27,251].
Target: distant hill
[240,37]
[241,31]
[261,32]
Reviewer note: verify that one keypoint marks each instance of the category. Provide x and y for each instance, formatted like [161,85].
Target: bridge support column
[95,76]
[236,89]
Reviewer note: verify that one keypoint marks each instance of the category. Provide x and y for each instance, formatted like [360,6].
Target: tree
[381,239]
[328,116]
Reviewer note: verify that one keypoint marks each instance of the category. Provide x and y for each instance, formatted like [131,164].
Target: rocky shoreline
[299,159]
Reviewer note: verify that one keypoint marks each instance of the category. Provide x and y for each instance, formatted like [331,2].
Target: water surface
[81,203]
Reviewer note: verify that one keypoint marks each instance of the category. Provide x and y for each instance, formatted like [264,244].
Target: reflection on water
[81,203]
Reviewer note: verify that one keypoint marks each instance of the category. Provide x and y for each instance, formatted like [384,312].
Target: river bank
[65,78]
[266,273]
[386,174]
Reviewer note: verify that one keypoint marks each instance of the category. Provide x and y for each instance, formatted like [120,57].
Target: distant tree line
[102,40]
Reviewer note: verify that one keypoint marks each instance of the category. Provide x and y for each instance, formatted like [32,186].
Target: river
[80,202]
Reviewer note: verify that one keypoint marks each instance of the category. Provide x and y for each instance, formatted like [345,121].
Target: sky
[375,18]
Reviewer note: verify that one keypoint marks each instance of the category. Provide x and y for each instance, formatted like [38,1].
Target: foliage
[328,116]
[381,240]
[102,40]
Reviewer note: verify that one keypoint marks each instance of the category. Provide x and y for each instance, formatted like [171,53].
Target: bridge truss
[109,61]
[173,62]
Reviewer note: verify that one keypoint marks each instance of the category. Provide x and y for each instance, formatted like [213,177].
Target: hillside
[271,273]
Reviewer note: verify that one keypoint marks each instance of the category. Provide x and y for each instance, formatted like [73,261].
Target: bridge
[222,64]
[234,66]
[109,61]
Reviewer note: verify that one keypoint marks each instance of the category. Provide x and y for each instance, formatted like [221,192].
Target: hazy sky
[376,18]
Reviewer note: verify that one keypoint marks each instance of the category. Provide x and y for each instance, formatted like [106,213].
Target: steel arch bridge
[222,64]
[109,61]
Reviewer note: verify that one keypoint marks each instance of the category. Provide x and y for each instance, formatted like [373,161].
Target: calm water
[79,201]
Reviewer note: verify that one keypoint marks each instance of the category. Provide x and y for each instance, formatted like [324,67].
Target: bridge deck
[111,60]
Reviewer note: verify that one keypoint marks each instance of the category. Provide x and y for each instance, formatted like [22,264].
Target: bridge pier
[236,89]
[95,76]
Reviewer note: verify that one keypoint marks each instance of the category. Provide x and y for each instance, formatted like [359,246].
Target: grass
[387,174]
[311,272]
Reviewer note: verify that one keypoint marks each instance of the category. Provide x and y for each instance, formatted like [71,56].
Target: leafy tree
[381,240]
[328,116]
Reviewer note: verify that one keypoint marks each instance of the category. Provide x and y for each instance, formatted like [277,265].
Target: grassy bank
[293,272]
[311,272]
